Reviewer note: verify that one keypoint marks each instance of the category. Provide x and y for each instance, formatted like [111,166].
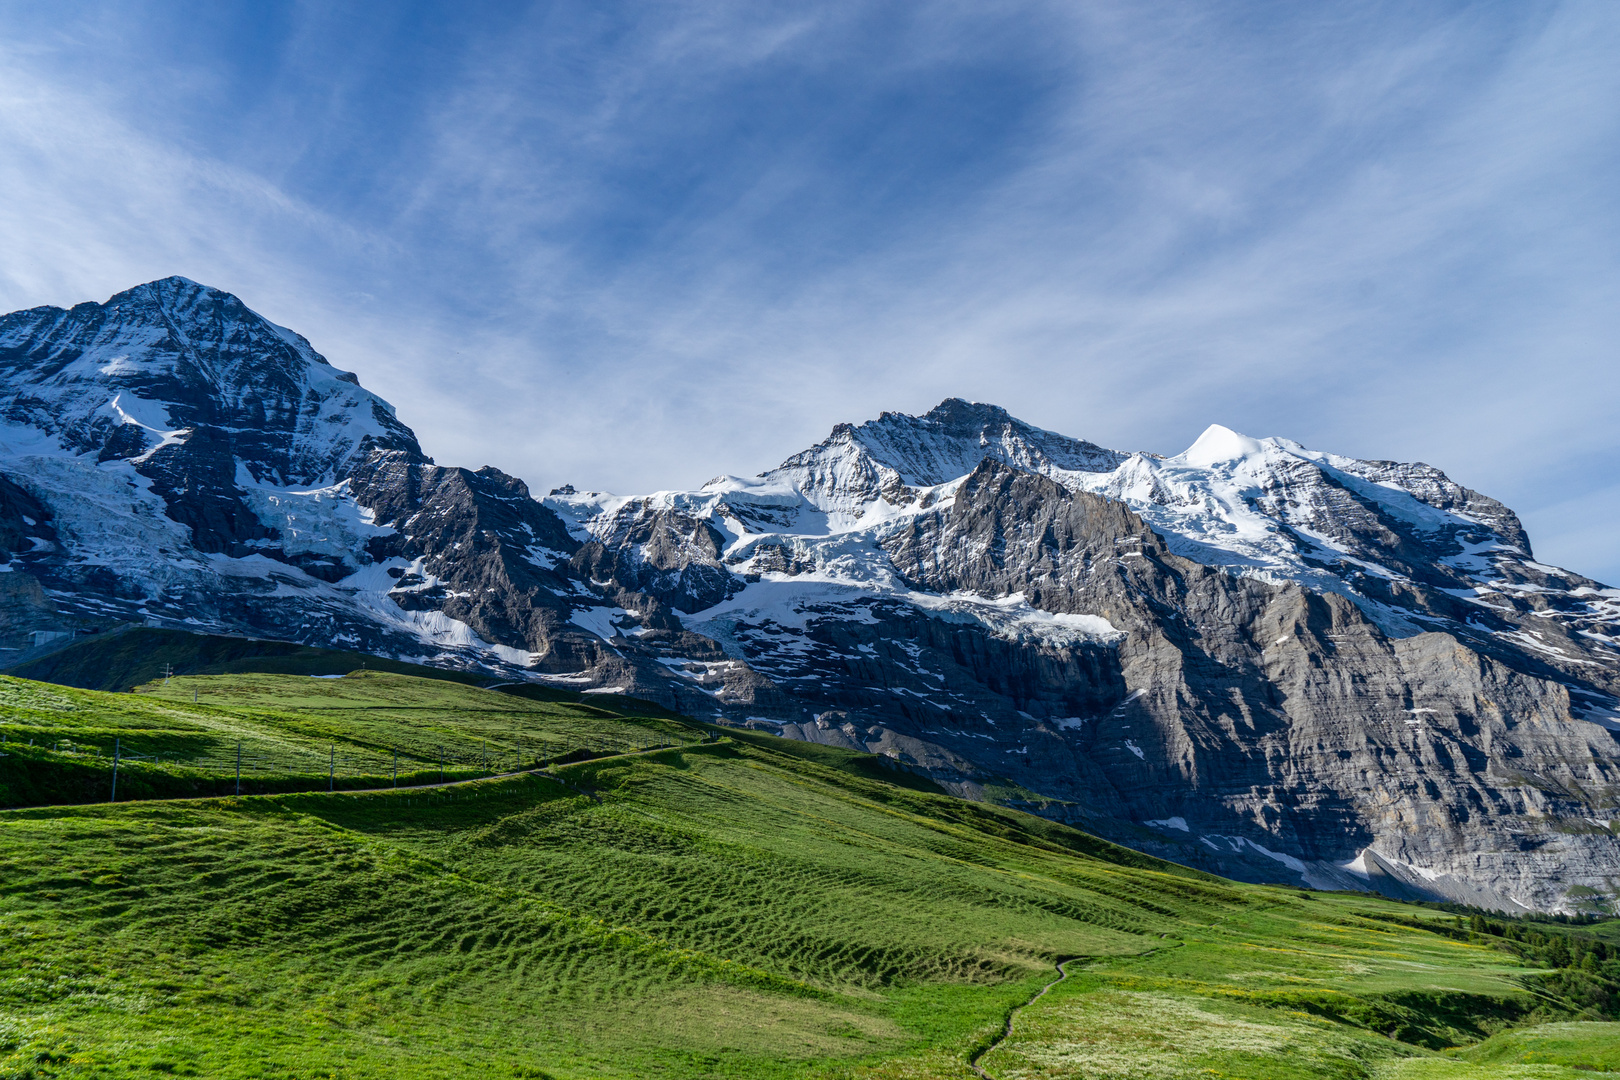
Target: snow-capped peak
[951,439]
[1220,444]
[171,355]
[889,459]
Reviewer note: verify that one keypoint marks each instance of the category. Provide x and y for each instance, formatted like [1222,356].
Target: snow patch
[320,521]
[130,409]
[1287,860]
[601,621]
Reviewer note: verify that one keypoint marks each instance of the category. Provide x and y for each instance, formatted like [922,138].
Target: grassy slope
[1586,1046]
[290,730]
[131,656]
[747,908]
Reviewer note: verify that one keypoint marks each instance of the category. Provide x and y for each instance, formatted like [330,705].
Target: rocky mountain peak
[887,459]
[951,439]
[158,364]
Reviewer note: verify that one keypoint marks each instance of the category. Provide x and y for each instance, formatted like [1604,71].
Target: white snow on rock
[604,622]
[137,368]
[1179,823]
[1265,507]
[804,538]
[177,334]
[322,521]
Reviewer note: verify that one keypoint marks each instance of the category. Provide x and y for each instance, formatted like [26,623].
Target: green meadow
[184,736]
[663,900]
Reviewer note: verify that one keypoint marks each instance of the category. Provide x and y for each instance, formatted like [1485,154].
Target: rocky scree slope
[1259,659]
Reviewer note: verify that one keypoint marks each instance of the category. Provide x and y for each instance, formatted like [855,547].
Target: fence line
[388,762]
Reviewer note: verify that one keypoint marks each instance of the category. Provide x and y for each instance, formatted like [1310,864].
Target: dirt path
[1012,1014]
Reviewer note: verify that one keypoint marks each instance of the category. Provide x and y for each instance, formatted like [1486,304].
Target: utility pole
[115,772]
[331,768]
[239,766]
[394,774]
[168,673]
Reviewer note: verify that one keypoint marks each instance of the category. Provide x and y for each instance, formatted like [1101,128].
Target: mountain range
[1258,659]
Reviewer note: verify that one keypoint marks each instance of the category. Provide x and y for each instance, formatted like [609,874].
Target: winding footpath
[1012,1014]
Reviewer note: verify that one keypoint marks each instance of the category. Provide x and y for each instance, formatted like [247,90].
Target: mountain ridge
[1255,658]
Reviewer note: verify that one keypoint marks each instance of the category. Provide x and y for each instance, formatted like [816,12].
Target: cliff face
[1286,712]
[1268,661]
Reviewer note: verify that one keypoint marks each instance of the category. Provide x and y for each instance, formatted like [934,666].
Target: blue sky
[631,246]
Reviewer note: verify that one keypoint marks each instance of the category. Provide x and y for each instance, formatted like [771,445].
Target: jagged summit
[172,423]
[171,364]
[179,296]
[950,440]
[198,312]
[888,458]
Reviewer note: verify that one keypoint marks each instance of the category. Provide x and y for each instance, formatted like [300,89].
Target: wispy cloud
[629,247]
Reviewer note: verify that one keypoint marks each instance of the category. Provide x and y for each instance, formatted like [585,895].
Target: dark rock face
[197,481]
[481,551]
[1435,488]
[24,522]
[664,553]
[1016,532]
[1274,663]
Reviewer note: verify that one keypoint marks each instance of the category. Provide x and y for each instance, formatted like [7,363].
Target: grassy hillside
[182,737]
[733,908]
[131,656]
